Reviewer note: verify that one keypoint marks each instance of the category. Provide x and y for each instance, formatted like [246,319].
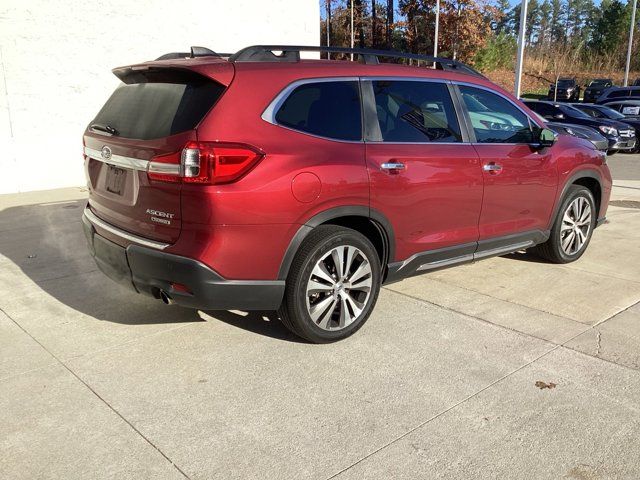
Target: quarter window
[414,111]
[327,109]
[494,118]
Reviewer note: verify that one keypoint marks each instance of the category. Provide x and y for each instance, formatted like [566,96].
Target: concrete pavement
[97,382]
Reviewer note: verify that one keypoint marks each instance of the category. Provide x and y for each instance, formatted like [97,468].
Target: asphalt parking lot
[508,368]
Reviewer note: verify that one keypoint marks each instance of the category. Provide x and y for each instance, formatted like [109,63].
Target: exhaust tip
[166,299]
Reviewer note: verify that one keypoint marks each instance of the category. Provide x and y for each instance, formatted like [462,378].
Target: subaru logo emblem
[105,153]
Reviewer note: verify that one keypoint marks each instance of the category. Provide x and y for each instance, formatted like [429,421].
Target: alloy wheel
[576,226]
[339,287]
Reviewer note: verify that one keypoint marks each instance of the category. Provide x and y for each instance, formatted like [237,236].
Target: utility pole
[521,43]
[633,24]
[435,34]
[352,37]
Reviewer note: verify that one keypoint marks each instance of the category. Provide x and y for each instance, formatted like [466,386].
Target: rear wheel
[573,227]
[332,286]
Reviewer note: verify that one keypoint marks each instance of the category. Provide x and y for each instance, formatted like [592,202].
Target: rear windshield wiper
[104,128]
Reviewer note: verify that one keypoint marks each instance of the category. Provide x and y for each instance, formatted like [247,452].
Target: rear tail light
[208,163]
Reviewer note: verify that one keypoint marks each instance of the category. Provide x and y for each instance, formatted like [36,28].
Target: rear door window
[494,118]
[158,104]
[327,109]
[415,111]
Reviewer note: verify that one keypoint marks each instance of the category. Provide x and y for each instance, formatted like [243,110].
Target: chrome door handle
[392,166]
[492,167]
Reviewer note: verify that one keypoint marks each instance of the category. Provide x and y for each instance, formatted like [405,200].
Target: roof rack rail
[195,52]
[291,53]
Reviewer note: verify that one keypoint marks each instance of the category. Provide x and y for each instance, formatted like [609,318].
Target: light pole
[352,29]
[435,34]
[521,41]
[633,24]
[328,27]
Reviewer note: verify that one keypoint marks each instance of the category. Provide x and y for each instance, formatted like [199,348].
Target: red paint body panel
[243,229]
[435,202]
[521,196]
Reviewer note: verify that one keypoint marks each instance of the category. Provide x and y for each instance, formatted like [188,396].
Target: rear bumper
[150,271]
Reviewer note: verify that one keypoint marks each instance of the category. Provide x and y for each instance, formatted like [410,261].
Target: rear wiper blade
[104,128]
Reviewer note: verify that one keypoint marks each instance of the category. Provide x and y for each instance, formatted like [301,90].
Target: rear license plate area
[115,179]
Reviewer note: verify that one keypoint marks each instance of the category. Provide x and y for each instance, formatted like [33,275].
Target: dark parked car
[266,182]
[588,133]
[628,108]
[636,83]
[595,89]
[603,111]
[619,135]
[619,93]
[567,90]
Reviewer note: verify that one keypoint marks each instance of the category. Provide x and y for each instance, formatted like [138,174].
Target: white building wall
[56,59]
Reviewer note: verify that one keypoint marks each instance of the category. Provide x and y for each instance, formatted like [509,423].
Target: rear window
[327,109]
[157,105]
[619,93]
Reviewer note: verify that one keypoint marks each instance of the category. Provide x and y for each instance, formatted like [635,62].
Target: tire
[316,303]
[578,200]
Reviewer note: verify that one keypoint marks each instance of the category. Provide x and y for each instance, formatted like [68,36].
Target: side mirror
[544,138]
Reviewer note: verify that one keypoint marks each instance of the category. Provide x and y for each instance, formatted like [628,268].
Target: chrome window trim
[118,160]
[269,114]
[94,220]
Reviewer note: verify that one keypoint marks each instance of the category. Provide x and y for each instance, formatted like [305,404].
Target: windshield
[599,83]
[611,113]
[574,112]
[563,82]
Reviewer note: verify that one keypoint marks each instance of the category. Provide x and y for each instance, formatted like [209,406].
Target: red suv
[262,181]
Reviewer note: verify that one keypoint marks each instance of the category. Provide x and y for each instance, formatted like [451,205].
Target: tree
[500,24]
[465,28]
[389,23]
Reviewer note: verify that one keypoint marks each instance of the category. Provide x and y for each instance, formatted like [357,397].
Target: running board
[460,254]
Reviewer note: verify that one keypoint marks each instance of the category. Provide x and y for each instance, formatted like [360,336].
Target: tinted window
[610,113]
[413,111]
[543,109]
[494,118]
[592,112]
[328,109]
[573,112]
[158,105]
[618,93]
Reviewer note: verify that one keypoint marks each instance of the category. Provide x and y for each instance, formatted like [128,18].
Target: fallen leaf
[542,385]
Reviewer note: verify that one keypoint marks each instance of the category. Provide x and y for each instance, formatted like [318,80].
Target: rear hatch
[149,118]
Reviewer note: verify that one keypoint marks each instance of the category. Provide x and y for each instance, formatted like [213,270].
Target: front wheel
[572,228]
[332,286]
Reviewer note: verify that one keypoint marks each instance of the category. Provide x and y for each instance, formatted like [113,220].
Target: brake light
[205,163]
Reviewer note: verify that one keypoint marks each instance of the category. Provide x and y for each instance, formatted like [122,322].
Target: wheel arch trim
[583,173]
[378,219]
